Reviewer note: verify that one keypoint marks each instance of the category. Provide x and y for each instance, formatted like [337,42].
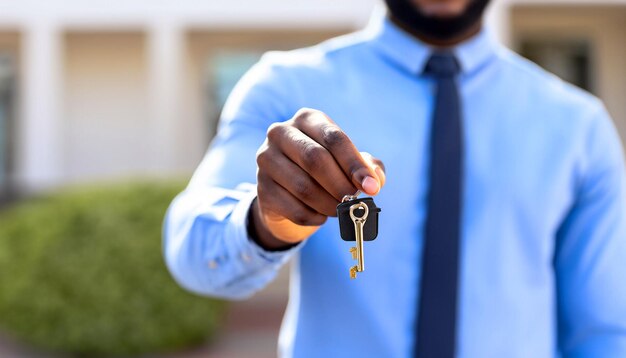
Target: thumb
[377,167]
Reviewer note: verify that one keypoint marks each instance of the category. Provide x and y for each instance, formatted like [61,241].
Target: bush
[81,272]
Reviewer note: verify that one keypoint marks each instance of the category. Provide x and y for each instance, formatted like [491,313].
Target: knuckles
[303,188]
[303,115]
[276,132]
[314,158]
[262,156]
[265,157]
[333,137]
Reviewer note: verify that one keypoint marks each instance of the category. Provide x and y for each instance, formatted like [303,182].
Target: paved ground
[252,326]
[251,329]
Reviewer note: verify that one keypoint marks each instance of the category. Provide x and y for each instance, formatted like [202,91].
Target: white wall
[218,13]
[55,139]
[64,77]
[106,114]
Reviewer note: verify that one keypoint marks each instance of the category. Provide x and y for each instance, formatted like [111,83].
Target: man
[503,230]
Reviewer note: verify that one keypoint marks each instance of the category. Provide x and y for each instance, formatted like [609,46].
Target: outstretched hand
[305,167]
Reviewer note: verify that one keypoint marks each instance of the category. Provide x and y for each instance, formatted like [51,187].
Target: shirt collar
[412,54]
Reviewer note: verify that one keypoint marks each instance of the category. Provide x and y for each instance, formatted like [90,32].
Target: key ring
[360,205]
[351,197]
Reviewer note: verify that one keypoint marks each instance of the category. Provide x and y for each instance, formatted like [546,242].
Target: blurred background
[101,93]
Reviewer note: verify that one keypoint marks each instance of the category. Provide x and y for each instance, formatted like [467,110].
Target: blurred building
[95,90]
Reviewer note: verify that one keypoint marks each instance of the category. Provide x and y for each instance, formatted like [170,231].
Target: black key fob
[346,225]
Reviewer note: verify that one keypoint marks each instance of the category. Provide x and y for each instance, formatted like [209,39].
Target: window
[224,69]
[218,59]
[568,59]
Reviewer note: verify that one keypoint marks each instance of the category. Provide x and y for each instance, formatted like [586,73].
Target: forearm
[207,248]
[589,257]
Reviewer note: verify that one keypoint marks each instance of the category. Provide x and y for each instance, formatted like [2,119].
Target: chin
[445,21]
[440,9]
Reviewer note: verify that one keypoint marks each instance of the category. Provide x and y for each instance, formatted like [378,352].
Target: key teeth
[353,252]
[353,271]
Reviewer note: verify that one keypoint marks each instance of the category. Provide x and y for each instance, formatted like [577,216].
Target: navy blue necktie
[436,328]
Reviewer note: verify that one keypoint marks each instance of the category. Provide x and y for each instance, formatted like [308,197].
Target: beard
[437,28]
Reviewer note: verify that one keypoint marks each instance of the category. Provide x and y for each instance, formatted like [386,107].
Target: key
[358,221]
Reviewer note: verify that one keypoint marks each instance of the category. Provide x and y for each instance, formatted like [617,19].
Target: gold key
[359,222]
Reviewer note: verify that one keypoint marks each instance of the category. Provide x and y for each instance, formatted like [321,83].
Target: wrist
[260,234]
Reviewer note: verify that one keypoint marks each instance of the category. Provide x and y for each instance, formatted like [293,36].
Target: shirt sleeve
[206,245]
[590,260]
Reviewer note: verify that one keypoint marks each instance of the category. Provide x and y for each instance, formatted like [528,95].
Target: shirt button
[245,257]
[212,264]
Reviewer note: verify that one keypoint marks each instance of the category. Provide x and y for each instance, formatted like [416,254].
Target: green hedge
[81,272]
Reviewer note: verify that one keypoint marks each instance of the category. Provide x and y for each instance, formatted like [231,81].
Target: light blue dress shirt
[543,247]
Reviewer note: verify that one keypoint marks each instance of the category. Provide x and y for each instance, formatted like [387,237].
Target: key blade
[359,246]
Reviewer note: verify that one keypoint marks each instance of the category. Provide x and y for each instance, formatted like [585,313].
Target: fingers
[327,134]
[280,203]
[314,159]
[305,167]
[297,182]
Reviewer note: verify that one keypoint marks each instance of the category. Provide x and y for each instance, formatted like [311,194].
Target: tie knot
[442,64]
